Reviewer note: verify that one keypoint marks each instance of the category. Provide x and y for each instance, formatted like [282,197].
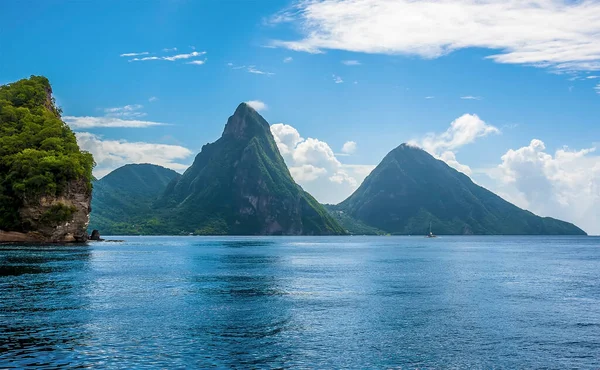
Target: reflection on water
[233,302]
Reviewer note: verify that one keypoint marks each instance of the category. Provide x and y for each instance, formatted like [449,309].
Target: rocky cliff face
[45,189]
[55,219]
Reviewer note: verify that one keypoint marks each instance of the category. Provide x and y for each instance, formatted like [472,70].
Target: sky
[507,92]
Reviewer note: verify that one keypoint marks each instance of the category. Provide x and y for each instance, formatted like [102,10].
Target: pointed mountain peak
[245,123]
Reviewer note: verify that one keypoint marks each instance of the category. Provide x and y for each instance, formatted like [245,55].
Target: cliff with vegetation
[45,181]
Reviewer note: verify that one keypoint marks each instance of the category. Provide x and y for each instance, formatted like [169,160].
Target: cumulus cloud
[257,105]
[565,185]
[111,154]
[349,147]
[314,165]
[557,34]
[91,122]
[462,131]
[351,62]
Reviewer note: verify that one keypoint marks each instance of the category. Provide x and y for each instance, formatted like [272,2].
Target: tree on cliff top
[39,154]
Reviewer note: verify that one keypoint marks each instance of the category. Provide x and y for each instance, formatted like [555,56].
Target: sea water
[303,302]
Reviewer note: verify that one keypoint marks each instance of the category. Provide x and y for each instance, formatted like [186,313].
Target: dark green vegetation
[238,185]
[410,188]
[39,154]
[123,199]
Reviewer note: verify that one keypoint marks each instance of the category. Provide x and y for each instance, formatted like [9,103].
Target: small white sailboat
[430,235]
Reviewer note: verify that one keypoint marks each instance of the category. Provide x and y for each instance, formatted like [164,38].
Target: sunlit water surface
[303,302]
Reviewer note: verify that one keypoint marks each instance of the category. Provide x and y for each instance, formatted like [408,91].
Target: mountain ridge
[410,188]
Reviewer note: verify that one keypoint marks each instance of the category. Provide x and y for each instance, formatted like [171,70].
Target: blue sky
[403,73]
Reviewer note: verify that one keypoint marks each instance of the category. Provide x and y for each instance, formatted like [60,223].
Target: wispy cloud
[253,69]
[257,105]
[351,62]
[197,62]
[597,88]
[337,79]
[132,110]
[170,58]
[288,59]
[134,54]
[430,97]
[87,122]
[592,77]
[470,97]
[515,32]
[167,50]
[152,98]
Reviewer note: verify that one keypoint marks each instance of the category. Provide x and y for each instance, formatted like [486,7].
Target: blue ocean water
[303,302]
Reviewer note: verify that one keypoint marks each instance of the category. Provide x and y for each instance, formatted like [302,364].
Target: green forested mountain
[122,200]
[241,185]
[44,178]
[410,188]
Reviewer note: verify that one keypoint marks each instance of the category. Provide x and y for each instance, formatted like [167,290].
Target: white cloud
[430,97]
[167,50]
[111,154]
[337,79]
[470,97]
[557,34]
[462,131]
[171,58]
[288,59]
[257,105]
[134,54]
[90,122]
[349,147]
[307,173]
[565,185]
[597,88]
[252,69]
[152,99]
[197,62]
[127,111]
[351,62]
[592,77]
[313,165]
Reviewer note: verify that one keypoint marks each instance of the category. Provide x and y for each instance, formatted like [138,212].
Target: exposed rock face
[60,219]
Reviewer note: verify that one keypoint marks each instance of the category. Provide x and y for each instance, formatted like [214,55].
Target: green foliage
[241,185]
[352,225]
[122,201]
[39,154]
[238,185]
[58,213]
[410,189]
